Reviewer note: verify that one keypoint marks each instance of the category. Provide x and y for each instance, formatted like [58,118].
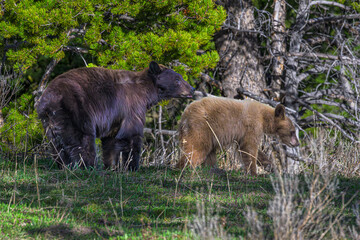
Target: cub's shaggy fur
[212,122]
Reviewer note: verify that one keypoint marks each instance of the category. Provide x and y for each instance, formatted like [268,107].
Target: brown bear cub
[85,103]
[214,122]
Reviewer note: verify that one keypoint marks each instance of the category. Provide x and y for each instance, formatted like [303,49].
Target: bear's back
[94,76]
[228,113]
[228,107]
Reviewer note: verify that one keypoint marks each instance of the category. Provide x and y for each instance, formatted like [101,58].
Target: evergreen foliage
[123,35]
[21,130]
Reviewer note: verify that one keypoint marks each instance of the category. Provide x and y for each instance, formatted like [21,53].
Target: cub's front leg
[249,154]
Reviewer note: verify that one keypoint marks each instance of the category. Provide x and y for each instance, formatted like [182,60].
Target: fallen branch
[162,131]
[293,156]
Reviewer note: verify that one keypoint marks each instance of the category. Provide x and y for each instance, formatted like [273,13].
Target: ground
[42,202]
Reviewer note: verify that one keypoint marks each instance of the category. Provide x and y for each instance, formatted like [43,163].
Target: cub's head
[284,128]
[170,84]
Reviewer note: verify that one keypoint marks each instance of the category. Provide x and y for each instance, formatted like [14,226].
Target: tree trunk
[239,65]
[292,81]
[278,48]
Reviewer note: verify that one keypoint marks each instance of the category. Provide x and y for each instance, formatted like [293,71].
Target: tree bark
[239,64]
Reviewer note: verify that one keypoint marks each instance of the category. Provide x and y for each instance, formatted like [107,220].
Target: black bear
[86,103]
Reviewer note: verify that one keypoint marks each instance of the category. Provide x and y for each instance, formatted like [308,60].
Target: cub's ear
[154,68]
[280,111]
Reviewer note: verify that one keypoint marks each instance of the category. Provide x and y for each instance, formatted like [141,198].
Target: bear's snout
[192,91]
[294,142]
[189,92]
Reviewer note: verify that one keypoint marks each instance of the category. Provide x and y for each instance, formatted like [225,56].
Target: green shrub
[22,130]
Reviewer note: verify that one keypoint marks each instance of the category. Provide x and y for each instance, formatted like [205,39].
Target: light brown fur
[214,122]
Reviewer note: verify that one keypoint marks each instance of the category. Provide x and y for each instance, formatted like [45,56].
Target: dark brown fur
[86,103]
[213,122]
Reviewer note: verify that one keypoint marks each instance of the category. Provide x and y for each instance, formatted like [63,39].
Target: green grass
[45,203]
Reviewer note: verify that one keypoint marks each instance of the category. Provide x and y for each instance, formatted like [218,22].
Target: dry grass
[329,151]
[207,224]
[303,205]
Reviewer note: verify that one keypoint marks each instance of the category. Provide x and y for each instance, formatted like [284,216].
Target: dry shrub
[329,151]
[206,224]
[303,205]
[304,209]
[153,154]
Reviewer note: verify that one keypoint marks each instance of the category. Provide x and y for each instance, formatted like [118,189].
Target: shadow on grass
[65,231]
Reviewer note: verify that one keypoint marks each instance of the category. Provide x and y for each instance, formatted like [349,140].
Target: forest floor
[38,201]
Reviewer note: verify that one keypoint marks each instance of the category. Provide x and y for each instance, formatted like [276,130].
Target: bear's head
[284,127]
[170,84]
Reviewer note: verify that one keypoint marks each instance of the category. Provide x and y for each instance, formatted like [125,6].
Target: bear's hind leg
[79,147]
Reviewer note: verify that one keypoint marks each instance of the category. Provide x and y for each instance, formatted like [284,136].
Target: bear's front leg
[264,161]
[131,157]
[249,151]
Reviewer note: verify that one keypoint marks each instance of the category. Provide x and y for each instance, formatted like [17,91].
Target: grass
[38,201]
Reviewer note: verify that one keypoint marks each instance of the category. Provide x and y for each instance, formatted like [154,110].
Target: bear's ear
[280,111]
[154,68]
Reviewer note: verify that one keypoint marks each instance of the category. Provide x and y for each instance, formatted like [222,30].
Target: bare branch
[210,80]
[315,70]
[50,67]
[238,30]
[314,119]
[329,3]
[126,17]
[316,21]
[343,119]
[291,155]
[75,49]
[330,93]
[325,118]
[317,40]
[263,100]
[343,59]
